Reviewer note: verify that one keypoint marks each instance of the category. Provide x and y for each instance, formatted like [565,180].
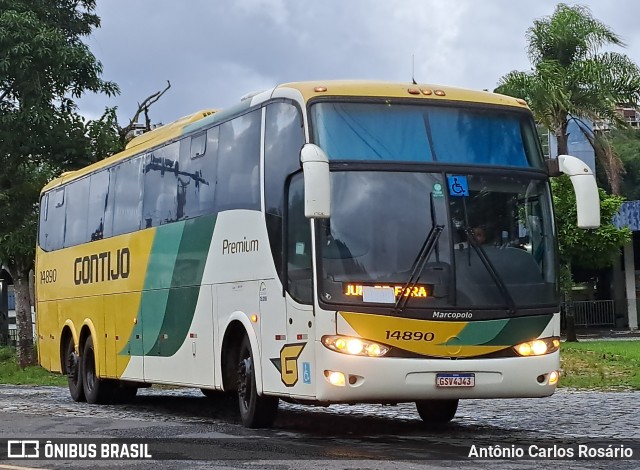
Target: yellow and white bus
[329,242]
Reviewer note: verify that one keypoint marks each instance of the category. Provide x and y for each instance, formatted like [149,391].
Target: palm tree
[572,79]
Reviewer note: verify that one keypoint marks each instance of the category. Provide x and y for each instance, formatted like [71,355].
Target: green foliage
[10,373]
[586,248]
[44,66]
[43,56]
[626,143]
[104,135]
[601,365]
[570,76]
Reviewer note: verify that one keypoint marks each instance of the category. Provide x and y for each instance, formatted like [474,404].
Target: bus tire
[437,411]
[256,411]
[96,390]
[73,369]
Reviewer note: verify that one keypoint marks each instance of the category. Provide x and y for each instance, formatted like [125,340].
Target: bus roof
[308,90]
[317,89]
[136,145]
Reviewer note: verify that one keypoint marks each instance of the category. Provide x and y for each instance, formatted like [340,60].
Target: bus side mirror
[317,188]
[584,185]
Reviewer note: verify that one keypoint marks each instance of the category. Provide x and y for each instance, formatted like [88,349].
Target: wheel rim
[72,366]
[90,368]
[245,381]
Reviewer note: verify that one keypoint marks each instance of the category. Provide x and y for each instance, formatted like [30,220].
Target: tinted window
[197,174]
[160,204]
[412,133]
[300,272]
[238,178]
[126,181]
[42,227]
[284,138]
[54,227]
[98,197]
[76,215]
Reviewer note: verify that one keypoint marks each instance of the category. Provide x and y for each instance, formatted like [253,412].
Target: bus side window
[299,266]
[238,172]
[98,198]
[197,175]
[54,236]
[284,137]
[160,204]
[76,213]
[42,225]
[127,198]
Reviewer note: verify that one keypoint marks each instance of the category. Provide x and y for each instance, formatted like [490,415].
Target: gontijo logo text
[101,267]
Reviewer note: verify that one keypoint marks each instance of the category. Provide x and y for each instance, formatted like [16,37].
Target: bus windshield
[425,133]
[496,246]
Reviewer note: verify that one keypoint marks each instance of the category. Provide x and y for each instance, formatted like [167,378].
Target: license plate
[455,380]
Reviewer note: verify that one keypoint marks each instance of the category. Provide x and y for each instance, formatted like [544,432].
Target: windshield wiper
[418,266]
[482,254]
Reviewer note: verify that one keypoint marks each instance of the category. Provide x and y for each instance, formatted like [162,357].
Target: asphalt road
[187,430]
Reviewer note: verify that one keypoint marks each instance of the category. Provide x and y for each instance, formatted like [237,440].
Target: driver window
[299,266]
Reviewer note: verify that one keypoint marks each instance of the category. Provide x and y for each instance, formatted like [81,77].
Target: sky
[216,51]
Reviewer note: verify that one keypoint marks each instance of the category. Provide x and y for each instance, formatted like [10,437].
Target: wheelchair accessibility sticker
[458,185]
[306,372]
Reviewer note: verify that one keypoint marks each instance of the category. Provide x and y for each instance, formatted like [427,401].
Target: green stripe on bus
[521,329]
[155,291]
[478,332]
[503,332]
[185,286]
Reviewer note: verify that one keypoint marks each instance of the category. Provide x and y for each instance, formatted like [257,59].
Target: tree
[591,249]
[626,143]
[44,67]
[572,79]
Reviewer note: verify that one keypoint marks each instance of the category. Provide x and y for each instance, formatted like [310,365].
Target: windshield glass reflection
[381,222]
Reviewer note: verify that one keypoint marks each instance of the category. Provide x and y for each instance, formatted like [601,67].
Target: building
[629,216]
[8,328]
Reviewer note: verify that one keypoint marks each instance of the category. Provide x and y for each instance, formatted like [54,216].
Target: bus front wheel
[256,411]
[73,371]
[437,411]
[96,390]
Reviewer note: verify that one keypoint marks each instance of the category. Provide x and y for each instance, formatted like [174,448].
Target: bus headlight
[355,346]
[538,347]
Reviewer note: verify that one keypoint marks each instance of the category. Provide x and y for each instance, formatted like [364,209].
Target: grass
[601,365]
[593,365]
[10,373]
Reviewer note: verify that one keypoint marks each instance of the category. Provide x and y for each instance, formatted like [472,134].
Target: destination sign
[420,290]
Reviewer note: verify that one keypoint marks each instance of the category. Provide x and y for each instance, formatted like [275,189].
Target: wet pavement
[375,435]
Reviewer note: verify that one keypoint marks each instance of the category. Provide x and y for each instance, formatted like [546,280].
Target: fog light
[553,377]
[335,378]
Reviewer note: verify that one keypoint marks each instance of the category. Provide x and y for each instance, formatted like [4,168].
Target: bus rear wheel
[96,390]
[73,371]
[437,411]
[256,411]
